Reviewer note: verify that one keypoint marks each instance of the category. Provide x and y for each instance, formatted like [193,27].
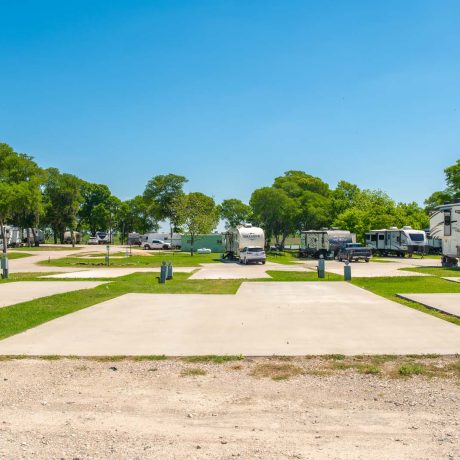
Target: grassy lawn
[286,258]
[47,248]
[17,255]
[300,276]
[179,259]
[390,286]
[435,271]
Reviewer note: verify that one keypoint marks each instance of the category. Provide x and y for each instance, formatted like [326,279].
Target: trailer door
[380,240]
[447,223]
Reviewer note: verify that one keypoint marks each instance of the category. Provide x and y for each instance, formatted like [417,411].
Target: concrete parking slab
[455,279]
[367,270]
[233,270]
[263,318]
[23,291]
[113,272]
[446,302]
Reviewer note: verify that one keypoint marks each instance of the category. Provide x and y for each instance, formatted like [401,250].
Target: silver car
[252,254]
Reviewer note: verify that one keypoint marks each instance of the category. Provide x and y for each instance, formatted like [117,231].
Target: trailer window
[417,237]
[447,224]
[373,237]
[381,237]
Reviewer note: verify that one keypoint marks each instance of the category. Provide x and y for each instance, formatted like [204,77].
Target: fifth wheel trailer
[445,224]
[240,237]
[397,241]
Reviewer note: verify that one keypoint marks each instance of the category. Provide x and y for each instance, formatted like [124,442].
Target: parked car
[155,244]
[354,251]
[252,254]
[93,240]
[203,251]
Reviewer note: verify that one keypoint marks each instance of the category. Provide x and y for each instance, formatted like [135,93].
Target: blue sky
[233,93]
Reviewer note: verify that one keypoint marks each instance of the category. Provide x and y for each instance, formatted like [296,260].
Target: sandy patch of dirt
[314,409]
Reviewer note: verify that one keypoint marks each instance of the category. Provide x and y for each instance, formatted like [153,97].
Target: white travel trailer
[397,241]
[240,237]
[445,224]
[68,237]
[325,242]
[175,242]
[434,243]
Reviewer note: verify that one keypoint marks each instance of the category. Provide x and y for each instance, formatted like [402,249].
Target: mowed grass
[388,287]
[300,276]
[435,271]
[282,257]
[17,255]
[178,259]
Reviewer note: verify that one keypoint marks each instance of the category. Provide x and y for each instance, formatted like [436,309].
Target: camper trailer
[241,237]
[434,243]
[68,237]
[399,242]
[325,242]
[445,225]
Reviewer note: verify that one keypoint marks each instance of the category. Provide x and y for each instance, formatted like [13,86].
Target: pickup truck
[354,251]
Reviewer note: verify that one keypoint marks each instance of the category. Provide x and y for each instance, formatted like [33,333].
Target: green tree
[162,195]
[451,192]
[276,212]
[134,216]
[96,207]
[311,196]
[198,213]
[234,212]
[63,198]
[20,196]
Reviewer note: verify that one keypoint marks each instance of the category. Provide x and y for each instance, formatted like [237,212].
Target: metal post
[107,257]
[163,272]
[4,266]
[347,271]
[170,271]
[321,267]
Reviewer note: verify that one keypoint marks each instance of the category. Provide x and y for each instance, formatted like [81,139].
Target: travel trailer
[68,237]
[445,225]
[174,243]
[134,239]
[240,237]
[434,243]
[399,242]
[325,242]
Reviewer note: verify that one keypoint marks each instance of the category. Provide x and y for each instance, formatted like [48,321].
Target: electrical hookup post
[4,265]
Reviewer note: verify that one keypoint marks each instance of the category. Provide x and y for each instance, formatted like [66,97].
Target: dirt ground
[82,408]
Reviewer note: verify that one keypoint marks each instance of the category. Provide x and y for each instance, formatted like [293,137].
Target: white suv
[252,254]
[155,244]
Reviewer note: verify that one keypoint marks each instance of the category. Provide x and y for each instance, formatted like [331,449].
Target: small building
[213,241]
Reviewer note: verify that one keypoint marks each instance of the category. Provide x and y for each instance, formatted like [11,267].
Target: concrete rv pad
[23,291]
[455,279]
[113,272]
[233,270]
[262,319]
[446,302]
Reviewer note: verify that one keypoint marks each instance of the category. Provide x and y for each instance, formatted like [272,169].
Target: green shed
[213,241]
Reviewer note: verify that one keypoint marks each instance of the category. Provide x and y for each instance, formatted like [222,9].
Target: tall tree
[451,192]
[162,195]
[234,212]
[198,213]
[63,198]
[276,212]
[96,206]
[134,216]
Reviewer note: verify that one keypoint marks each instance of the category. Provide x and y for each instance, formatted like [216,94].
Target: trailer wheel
[366,259]
[146,247]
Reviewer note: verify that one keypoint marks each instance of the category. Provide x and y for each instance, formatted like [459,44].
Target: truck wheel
[263,262]
[146,247]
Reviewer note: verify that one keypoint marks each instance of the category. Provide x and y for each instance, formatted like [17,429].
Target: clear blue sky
[233,93]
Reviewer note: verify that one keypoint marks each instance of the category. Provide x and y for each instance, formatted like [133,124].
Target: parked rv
[325,242]
[241,237]
[445,225]
[134,239]
[68,237]
[434,243]
[103,237]
[399,242]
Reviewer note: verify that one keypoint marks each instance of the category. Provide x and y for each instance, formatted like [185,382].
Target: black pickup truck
[354,251]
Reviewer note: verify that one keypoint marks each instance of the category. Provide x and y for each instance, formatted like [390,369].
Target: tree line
[32,197]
